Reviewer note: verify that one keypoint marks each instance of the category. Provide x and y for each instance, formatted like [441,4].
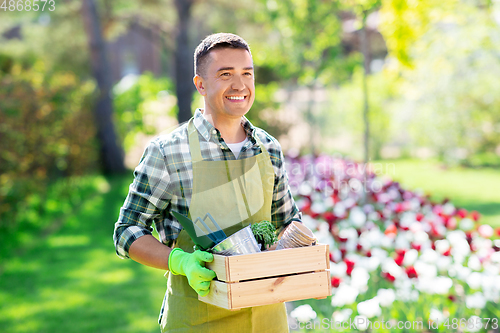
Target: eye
[248,74]
[225,74]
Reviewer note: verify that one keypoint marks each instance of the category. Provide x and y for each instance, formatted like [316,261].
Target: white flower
[339,209]
[410,257]
[357,217]
[485,230]
[425,270]
[359,278]
[386,297]
[390,266]
[474,263]
[303,313]
[429,256]
[339,269]
[442,285]
[369,263]
[369,308]
[466,224]
[442,245]
[475,301]
[443,264]
[439,285]
[474,280]
[448,208]
[344,295]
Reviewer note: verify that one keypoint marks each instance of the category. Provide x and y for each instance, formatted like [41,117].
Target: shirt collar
[206,129]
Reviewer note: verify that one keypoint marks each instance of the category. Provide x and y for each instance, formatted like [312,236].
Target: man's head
[225,76]
[214,42]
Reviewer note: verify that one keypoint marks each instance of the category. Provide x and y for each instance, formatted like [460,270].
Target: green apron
[236,193]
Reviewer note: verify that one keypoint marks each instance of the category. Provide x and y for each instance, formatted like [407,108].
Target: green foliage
[133,101]
[265,233]
[452,96]
[46,131]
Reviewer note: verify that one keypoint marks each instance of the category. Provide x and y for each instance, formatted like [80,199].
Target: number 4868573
[28,5]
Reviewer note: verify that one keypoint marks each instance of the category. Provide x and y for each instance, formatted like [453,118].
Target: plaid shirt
[164,181]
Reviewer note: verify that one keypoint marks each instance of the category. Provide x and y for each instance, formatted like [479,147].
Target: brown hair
[213,42]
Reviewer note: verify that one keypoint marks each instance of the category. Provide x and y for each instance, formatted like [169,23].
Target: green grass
[72,281]
[472,189]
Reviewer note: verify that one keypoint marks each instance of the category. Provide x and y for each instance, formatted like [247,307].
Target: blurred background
[84,85]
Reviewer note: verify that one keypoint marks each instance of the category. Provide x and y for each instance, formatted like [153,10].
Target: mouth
[236,98]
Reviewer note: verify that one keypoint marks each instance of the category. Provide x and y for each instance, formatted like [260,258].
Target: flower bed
[396,257]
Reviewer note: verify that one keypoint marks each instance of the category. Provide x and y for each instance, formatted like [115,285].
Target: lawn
[472,189]
[72,281]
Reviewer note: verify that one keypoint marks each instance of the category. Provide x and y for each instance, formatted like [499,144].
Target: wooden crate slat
[271,263]
[220,295]
[281,289]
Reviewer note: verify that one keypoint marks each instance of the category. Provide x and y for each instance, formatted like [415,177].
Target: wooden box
[269,277]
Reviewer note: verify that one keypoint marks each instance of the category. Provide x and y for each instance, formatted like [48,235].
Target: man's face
[228,83]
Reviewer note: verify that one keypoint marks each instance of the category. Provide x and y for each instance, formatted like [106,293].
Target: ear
[199,84]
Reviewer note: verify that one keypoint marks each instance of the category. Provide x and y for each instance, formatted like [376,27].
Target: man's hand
[192,265]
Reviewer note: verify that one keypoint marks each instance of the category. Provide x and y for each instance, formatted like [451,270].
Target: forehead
[229,58]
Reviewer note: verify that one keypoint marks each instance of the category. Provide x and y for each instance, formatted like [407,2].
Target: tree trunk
[111,152]
[366,56]
[366,139]
[183,61]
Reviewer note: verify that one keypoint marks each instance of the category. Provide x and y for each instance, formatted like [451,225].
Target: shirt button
[214,131]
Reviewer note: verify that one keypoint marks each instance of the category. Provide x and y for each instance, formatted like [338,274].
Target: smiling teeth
[236,98]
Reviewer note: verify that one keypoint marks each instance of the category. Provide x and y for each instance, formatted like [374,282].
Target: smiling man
[217,163]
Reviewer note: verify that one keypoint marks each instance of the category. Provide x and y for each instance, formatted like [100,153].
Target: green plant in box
[265,234]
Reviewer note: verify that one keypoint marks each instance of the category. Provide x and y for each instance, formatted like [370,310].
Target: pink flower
[475,215]
[419,217]
[462,213]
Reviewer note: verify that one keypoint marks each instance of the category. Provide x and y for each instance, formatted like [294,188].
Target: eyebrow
[232,69]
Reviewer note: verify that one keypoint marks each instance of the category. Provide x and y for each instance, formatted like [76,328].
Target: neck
[229,128]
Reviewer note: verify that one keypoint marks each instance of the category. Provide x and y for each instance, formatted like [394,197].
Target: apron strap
[194,142]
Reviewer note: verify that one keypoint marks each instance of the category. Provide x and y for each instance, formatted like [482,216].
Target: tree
[111,151]
[183,60]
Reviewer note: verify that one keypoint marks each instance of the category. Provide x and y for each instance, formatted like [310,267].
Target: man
[217,163]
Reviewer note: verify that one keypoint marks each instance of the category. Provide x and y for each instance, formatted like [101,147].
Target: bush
[46,132]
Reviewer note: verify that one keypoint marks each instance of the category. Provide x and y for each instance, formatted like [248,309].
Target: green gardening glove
[192,266]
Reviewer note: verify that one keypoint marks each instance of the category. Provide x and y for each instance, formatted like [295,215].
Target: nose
[238,83]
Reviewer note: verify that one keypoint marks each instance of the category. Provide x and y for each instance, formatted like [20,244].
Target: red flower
[359,247]
[452,298]
[475,215]
[411,272]
[462,213]
[336,282]
[451,224]
[368,253]
[388,276]
[331,257]
[498,231]
[399,260]
[447,252]
[329,217]
[419,217]
[350,266]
